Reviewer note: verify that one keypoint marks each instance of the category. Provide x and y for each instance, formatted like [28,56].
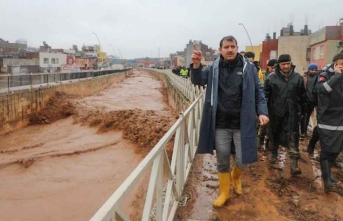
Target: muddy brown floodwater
[269,193]
[67,169]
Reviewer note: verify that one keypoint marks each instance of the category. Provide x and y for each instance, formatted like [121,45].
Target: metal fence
[10,81]
[167,179]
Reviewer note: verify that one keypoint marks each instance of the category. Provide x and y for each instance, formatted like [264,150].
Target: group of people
[281,100]
[181,71]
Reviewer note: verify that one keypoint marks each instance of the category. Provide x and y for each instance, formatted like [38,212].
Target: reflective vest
[261,76]
[184,72]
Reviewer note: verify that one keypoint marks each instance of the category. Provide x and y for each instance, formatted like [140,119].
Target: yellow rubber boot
[224,188]
[236,180]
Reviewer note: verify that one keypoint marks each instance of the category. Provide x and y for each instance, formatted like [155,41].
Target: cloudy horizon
[140,28]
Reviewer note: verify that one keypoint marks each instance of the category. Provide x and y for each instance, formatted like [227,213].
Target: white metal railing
[165,175]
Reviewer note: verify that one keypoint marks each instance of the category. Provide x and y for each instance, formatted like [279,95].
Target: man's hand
[196,58]
[338,68]
[263,119]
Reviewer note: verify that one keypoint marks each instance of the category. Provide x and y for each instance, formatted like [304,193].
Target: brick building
[325,44]
[269,50]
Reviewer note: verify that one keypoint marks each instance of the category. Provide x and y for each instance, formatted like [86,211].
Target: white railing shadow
[167,179]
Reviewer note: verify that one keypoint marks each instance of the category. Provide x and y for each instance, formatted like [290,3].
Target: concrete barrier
[15,107]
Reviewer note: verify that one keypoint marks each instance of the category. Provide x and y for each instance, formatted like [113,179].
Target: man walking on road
[309,80]
[330,117]
[286,99]
[251,57]
[262,129]
[234,96]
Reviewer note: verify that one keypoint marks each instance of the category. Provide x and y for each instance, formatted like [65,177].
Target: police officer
[285,93]
[330,118]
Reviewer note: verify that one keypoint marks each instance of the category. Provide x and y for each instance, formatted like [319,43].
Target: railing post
[152,184]
[159,188]
[180,160]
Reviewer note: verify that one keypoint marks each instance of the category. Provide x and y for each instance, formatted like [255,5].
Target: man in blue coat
[234,96]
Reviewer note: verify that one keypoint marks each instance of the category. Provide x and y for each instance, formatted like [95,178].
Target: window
[321,52]
[46,61]
[57,61]
[314,54]
[308,54]
[1,49]
[273,54]
[53,61]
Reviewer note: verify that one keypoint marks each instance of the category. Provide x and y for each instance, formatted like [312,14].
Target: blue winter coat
[253,103]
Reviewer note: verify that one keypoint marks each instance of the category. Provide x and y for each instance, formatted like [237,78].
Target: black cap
[284,58]
[249,54]
[256,63]
[272,62]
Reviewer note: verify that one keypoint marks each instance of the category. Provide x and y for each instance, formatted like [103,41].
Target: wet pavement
[269,192]
[67,169]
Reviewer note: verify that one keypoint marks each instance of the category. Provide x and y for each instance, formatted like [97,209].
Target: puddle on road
[269,193]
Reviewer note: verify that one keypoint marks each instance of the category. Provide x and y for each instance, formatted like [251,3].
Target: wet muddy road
[269,193]
[67,169]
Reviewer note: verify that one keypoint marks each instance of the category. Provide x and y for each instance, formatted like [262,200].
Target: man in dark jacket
[330,117]
[309,80]
[262,130]
[286,99]
[234,96]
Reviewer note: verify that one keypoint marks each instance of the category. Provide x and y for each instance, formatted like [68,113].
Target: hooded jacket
[309,81]
[253,103]
[285,94]
[329,91]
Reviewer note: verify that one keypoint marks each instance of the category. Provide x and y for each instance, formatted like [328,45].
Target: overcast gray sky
[139,27]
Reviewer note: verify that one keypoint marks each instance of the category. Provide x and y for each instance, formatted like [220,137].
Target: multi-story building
[325,44]
[205,50]
[269,50]
[295,44]
[257,51]
[179,61]
[51,62]
[11,49]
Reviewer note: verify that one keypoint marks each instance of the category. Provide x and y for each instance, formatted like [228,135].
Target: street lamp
[120,54]
[113,49]
[98,39]
[252,48]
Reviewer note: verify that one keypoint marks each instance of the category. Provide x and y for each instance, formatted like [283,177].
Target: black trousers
[284,130]
[305,121]
[313,141]
[331,157]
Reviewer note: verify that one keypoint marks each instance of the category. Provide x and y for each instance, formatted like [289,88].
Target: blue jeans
[223,141]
